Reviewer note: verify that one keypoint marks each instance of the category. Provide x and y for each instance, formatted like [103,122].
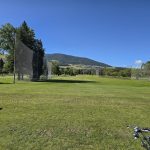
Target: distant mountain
[74,60]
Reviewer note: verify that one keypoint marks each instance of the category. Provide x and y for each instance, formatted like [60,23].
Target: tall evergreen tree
[27,36]
[39,53]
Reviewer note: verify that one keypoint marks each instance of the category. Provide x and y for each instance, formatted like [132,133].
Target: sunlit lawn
[72,113]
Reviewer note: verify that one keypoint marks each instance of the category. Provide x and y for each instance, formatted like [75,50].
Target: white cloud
[138,62]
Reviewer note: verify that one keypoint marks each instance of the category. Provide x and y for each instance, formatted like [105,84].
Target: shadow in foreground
[5,83]
[67,81]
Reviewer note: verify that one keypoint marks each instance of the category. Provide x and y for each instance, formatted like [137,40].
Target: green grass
[2,56]
[69,114]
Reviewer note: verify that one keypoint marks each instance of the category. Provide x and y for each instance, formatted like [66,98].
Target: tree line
[105,71]
[8,34]
[137,73]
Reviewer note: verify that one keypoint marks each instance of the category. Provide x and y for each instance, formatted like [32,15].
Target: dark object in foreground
[1,108]
[140,133]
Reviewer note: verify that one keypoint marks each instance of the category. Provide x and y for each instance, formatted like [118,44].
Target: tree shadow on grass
[67,81]
[5,83]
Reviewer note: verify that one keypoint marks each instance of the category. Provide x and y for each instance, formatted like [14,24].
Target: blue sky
[116,32]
